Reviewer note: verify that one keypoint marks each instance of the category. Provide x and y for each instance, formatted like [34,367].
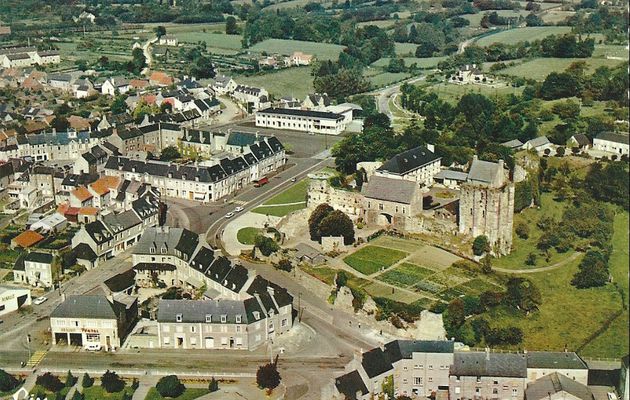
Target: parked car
[238,209]
[229,215]
[93,347]
[40,300]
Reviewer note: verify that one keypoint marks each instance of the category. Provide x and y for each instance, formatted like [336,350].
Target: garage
[76,339]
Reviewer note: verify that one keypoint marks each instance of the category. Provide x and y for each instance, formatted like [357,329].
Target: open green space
[475,19]
[405,275]
[522,247]
[189,394]
[387,78]
[556,16]
[610,50]
[377,289]
[371,259]
[98,393]
[383,24]
[323,51]
[296,82]
[247,235]
[406,245]
[424,63]
[405,49]
[539,68]
[217,40]
[278,211]
[452,92]
[293,194]
[513,36]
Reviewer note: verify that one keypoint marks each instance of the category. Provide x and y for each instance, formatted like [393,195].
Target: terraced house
[203,183]
[240,310]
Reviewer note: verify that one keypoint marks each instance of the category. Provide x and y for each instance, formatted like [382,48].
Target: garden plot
[433,258]
[371,259]
[405,275]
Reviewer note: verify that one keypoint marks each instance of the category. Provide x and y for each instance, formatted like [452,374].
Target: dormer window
[223,319]
[256,315]
[179,317]
[238,319]
[208,318]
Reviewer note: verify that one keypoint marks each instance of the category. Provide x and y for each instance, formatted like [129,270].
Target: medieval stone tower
[486,205]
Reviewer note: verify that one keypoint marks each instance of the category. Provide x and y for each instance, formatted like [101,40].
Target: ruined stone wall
[320,191]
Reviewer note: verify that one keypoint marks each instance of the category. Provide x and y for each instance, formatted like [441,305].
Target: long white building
[326,123]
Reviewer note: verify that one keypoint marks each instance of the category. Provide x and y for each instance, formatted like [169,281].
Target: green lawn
[513,36]
[405,49]
[296,82]
[387,78]
[217,40]
[278,211]
[189,394]
[452,93]
[614,341]
[247,235]
[96,392]
[371,259]
[424,63]
[522,247]
[539,68]
[405,275]
[323,51]
[606,50]
[293,194]
[475,19]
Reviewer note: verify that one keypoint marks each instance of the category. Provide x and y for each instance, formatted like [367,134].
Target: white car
[238,209]
[93,347]
[229,215]
[40,300]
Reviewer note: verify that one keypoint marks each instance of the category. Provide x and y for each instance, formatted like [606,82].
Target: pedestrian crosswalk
[239,202]
[36,358]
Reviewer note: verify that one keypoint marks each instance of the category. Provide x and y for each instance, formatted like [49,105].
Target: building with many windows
[322,122]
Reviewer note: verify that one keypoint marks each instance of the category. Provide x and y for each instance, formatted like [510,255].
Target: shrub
[267,376]
[522,230]
[480,245]
[70,379]
[170,386]
[284,265]
[49,382]
[213,385]
[266,245]
[87,381]
[111,382]
[7,381]
[531,259]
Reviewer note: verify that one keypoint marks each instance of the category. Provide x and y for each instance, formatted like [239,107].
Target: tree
[78,395]
[396,65]
[266,245]
[523,294]
[609,183]
[70,379]
[230,26]
[480,245]
[118,105]
[593,271]
[170,386]
[454,316]
[111,382]
[320,212]
[486,264]
[522,230]
[284,265]
[49,382]
[87,381]
[213,385]
[138,61]
[531,259]
[267,376]
[337,223]
[170,153]
[160,31]
[567,109]
[341,279]
[7,381]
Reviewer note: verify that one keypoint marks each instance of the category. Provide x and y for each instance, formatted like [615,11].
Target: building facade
[322,122]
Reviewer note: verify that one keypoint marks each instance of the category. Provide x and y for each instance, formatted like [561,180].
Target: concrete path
[145,384]
[249,219]
[542,269]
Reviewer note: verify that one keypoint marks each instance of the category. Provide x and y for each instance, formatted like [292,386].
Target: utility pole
[28,345]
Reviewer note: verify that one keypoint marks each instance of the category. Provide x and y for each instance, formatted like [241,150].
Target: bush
[213,385]
[522,230]
[170,386]
[87,381]
[267,376]
[480,245]
[284,265]
[111,382]
[531,259]
[266,245]
[70,379]
[49,382]
[7,381]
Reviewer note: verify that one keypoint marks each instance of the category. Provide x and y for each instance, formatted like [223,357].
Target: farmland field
[387,78]
[405,49]
[376,289]
[514,36]
[452,92]
[296,82]
[217,40]
[539,68]
[405,275]
[430,62]
[323,51]
[371,259]
[475,19]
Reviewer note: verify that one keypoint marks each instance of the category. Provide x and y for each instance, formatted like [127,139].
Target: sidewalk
[249,219]
[145,384]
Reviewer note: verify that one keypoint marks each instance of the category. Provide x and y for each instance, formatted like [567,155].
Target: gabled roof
[538,141]
[122,281]
[82,194]
[613,137]
[39,257]
[485,172]
[98,232]
[581,139]
[394,190]
[84,252]
[408,161]
[489,364]
[202,311]
[399,349]
[350,384]
[86,306]
[375,362]
[301,113]
[555,360]
[27,238]
[555,382]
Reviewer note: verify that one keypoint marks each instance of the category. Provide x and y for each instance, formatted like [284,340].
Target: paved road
[383,96]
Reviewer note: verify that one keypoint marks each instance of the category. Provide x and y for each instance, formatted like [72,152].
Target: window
[430,366]
[208,318]
[514,392]
[192,328]
[457,390]
[430,379]
[496,382]
[238,319]
[167,340]
[178,318]
[284,322]
[223,319]
[417,380]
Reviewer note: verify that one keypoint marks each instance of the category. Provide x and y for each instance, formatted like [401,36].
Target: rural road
[146,50]
[383,97]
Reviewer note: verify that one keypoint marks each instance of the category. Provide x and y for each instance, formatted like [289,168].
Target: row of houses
[26,56]
[442,369]
[610,143]
[206,183]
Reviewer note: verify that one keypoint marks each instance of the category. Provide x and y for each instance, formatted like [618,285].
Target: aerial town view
[314,199]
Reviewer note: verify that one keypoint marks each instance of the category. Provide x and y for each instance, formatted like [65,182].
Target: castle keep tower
[486,205]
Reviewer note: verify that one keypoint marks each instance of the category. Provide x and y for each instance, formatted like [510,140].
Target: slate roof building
[418,165]
[613,143]
[35,269]
[388,201]
[89,320]
[556,386]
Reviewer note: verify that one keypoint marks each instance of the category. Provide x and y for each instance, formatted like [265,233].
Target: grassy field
[247,235]
[376,289]
[323,51]
[294,4]
[217,40]
[452,92]
[556,16]
[296,82]
[189,394]
[387,78]
[405,275]
[614,341]
[475,19]
[609,50]
[424,63]
[539,68]
[522,247]
[383,24]
[513,36]
[405,49]
[371,259]
[293,194]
